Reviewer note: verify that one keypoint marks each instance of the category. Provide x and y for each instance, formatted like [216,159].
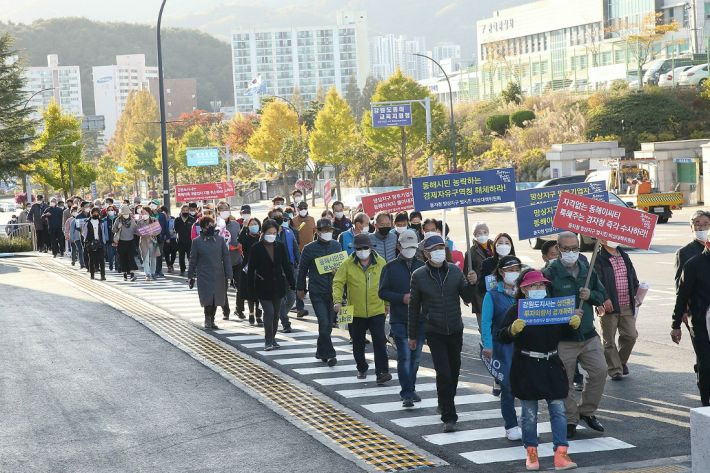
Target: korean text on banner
[327,263]
[535,220]
[556,310]
[389,202]
[537,195]
[605,221]
[151,229]
[466,189]
[345,316]
[211,190]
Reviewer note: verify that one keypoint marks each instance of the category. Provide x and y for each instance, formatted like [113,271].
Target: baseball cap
[408,239]
[324,223]
[508,261]
[432,241]
[362,240]
[245,208]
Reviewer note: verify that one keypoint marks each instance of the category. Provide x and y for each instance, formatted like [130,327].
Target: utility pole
[163,127]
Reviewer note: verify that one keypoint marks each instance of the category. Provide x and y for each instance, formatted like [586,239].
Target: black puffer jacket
[434,299]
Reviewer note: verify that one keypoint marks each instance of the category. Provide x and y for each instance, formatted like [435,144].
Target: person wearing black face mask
[415,223]
[211,265]
[384,240]
[183,227]
[94,244]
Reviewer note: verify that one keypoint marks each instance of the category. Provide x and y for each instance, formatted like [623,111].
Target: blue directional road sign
[203,157]
[391,115]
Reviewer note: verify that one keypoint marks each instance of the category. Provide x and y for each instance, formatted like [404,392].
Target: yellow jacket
[363,285]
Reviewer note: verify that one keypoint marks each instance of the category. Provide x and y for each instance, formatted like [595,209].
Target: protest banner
[150,229]
[535,221]
[605,221]
[207,191]
[465,189]
[327,263]
[491,282]
[345,316]
[390,202]
[498,365]
[537,195]
[555,310]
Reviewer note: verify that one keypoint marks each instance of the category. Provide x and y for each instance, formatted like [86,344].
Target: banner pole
[468,240]
[595,252]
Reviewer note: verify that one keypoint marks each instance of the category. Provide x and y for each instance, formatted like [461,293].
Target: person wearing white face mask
[287,237]
[618,275]
[394,288]
[361,274]
[537,372]
[320,288]
[495,305]
[434,304]
[341,223]
[568,277]
[481,250]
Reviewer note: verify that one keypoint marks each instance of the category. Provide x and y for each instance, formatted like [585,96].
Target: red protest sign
[605,221]
[327,193]
[389,202]
[210,190]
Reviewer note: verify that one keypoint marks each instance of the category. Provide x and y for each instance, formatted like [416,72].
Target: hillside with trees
[86,43]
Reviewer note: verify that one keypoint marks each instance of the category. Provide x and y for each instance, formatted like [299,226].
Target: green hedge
[498,123]
[15,245]
[521,116]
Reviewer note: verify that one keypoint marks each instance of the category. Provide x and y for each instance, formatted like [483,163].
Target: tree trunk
[337,182]
[403,157]
[61,178]
[284,181]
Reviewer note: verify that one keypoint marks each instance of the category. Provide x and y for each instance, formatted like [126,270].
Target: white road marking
[430,402]
[418,421]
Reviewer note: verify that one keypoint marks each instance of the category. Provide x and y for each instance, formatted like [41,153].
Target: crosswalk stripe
[480,434]
[431,402]
[309,359]
[384,391]
[242,338]
[420,421]
[296,351]
[347,380]
[545,450]
[329,369]
[314,341]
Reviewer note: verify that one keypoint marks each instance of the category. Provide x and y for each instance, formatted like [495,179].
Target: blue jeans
[286,305]
[323,307]
[407,360]
[300,305]
[507,406]
[77,252]
[110,252]
[558,421]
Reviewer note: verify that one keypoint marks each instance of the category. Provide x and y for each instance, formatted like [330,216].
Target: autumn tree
[334,132]
[398,141]
[277,122]
[138,121]
[240,129]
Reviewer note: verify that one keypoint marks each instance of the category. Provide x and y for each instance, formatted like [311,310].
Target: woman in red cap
[537,372]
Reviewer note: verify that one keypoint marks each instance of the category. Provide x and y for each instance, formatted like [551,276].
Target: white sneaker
[514,434]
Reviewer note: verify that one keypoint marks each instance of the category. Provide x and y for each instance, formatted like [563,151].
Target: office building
[279,59]
[448,55]
[113,83]
[63,84]
[581,44]
[388,52]
[180,96]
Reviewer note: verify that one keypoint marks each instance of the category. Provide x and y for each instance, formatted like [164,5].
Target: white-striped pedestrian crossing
[480,437]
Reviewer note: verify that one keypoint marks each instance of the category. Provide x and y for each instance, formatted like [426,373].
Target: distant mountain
[86,43]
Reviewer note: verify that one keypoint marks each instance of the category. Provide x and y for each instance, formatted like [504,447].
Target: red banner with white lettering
[390,202]
[605,221]
[208,191]
[327,193]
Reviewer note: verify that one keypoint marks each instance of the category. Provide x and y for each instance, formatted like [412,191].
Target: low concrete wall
[700,439]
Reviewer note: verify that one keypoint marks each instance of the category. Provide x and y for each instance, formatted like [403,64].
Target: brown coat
[307,232]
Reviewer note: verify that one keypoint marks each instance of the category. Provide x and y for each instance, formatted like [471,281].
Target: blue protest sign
[391,115]
[498,365]
[202,156]
[466,189]
[94,192]
[556,310]
[546,194]
[535,221]
[491,282]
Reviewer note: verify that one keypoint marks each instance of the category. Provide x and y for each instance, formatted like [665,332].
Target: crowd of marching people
[402,281]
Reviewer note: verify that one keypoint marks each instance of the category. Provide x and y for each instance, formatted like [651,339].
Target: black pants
[701,345]
[271,318]
[225,307]
[126,256]
[96,261]
[376,326]
[56,240]
[446,356]
[242,295]
[184,248]
[170,252]
[210,311]
[42,239]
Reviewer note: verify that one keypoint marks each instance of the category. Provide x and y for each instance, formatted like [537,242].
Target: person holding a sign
[148,228]
[434,305]
[537,372]
[568,277]
[694,293]
[361,274]
[496,355]
[324,250]
[395,289]
[125,229]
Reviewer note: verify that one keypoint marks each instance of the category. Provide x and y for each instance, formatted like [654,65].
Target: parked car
[656,68]
[695,76]
[5,207]
[671,78]
[558,181]
[585,243]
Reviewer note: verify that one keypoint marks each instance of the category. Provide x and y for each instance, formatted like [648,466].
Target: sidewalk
[87,389]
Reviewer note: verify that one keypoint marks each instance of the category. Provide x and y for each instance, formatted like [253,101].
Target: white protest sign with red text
[605,221]
[210,190]
[389,202]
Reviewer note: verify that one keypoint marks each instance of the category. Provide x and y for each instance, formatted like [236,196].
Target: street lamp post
[163,127]
[451,110]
